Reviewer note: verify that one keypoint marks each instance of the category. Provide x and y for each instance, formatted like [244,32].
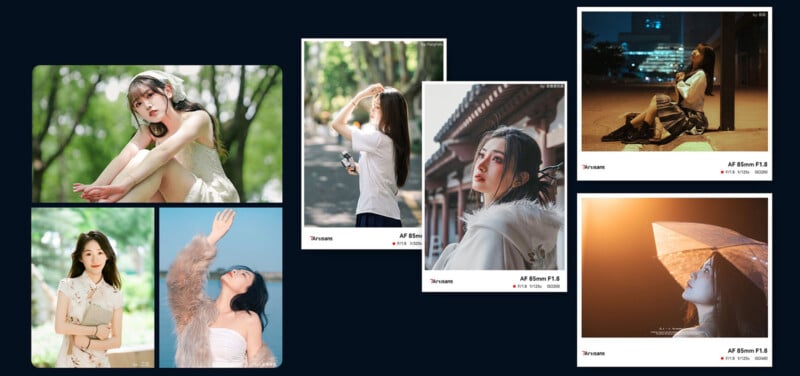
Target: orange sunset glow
[626,291]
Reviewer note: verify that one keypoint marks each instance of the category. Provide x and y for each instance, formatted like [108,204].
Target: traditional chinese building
[539,109]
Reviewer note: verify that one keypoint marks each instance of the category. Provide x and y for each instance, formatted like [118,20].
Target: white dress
[212,185]
[518,235]
[81,291]
[228,348]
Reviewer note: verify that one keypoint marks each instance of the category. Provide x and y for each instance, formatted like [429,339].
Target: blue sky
[254,240]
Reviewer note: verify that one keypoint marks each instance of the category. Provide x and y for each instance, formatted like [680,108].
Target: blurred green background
[334,71]
[54,234]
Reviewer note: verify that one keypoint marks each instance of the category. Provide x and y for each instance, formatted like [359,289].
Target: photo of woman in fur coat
[217,332]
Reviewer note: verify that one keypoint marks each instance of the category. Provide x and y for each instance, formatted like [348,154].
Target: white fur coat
[193,310]
[516,235]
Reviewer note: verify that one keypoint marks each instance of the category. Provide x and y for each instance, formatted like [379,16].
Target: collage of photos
[109,253]
[159,227]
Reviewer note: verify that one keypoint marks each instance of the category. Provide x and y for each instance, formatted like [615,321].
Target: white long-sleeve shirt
[692,90]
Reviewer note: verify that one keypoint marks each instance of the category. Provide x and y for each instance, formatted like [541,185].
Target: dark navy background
[355,311]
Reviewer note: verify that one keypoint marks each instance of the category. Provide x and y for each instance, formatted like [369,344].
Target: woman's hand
[222,223]
[339,124]
[679,76]
[353,169]
[370,91]
[103,331]
[81,341]
[81,188]
[107,193]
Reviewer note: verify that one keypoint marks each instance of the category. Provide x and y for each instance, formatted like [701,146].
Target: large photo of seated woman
[687,91]
[196,134]
[220,288]
[669,79]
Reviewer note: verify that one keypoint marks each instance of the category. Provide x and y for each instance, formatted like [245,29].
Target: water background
[273,334]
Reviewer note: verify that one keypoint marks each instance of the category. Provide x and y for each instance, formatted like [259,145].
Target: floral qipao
[82,292]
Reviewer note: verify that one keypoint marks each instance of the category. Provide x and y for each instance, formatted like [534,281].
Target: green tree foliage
[81,121]
[336,70]
[54,234]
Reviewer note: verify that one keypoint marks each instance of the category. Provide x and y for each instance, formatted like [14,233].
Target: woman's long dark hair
[740,309]
[254,299]
[394,123]
[159,129]
[707,66]
[522,155]
[110,272]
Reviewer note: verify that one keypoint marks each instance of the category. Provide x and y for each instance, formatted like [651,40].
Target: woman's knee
[661,98]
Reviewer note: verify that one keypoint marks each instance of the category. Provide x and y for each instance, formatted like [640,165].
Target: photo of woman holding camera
[384,148]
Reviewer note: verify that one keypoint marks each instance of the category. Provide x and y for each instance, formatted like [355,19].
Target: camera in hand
[347,161]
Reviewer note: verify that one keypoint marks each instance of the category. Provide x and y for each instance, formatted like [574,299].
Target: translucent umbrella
[684,246]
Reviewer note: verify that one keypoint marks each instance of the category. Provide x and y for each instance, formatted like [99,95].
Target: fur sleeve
[187,278]
[264,358]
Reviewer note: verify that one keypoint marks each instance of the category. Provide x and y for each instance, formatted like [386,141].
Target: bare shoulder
[199,124]
[198,116]
[248,319]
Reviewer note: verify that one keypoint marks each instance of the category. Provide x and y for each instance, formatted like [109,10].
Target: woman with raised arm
[384,147]
[224,331]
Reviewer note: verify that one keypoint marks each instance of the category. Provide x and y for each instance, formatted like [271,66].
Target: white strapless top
[228,348]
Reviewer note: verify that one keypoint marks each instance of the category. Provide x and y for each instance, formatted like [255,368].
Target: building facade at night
[662,42]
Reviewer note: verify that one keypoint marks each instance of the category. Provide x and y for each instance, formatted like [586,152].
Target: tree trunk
[238,128]
[38,162]
[401,60]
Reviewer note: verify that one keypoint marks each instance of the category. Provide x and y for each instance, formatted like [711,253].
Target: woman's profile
[183,165]
[517,227]
[674,118]
[385,151]
[217,332]
[723,302]
[90,294]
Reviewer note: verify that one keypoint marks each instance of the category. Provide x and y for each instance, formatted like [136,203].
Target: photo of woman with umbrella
[679,280]
[728,291]
[644,248]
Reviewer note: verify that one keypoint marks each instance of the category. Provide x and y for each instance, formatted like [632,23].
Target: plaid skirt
[678,119]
